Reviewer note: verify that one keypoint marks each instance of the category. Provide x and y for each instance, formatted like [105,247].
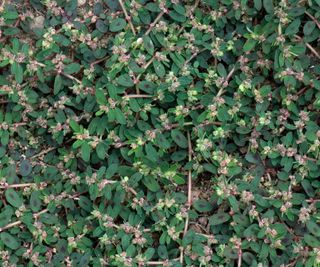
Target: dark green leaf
[72,68]
[125,80]
[148,44]
[179,138]
[117,25]
[309,27]
[25,168]
[13,198]
[313,227]
[202,205]
[85,151]
[17,71]
[35,201]
[219,218]
[57,84]
[268,6]
[9,240]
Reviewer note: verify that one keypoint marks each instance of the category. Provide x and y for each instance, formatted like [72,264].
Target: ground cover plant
[164,133]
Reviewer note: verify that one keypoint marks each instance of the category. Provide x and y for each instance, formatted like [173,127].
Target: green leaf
[112,170]
[72,68]
[308,188]
[249,45]
[257,4]
[296,11]
[148,44]
[311,241]
[219,218]
[149,253]
[101,99]
[10,15]
[179,138]
[268,6]
[249,258]
[117,25]
[293,27]
[223,114]
[74,126]
[35,202]
[162,141]
[162,252]
[48,218]
[57,84]
[188,238]
[230,253]
[5,215]
[151,183]
[17,71]
[101,150]
[178,180]
[101,26]
[233,203]
[180,9]
[147,86]
[313,228]
[120,117]
[151,152]
[9,240]
[85,203]
[25,168]
[113,4]
[125,80]
[221,70]
[159,68]
[309,27]
[202,205]
[85,151]
[13,198]
[177,17]
[178,155]
[253,158]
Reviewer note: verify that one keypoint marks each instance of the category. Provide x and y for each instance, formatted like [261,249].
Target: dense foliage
[165,133]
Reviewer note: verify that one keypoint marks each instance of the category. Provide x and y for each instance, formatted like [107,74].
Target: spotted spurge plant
[159,133]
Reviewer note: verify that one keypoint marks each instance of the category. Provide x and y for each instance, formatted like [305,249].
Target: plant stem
[226,81]
[154,23]
[128,18]
[189,203]
[43,152]
[239,257]
[313,19]
[17,185]
[138,96]
[99,61]
[309,46]
[194,55]
[17,223]
[71,77]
